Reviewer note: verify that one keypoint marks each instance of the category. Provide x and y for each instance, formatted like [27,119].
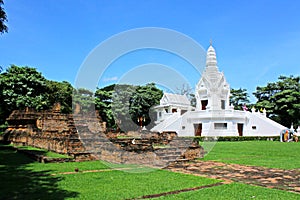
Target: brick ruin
[59,132]
[49,130]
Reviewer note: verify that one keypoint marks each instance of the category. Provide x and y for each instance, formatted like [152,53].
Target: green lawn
[22,178]
[66,167]
[234,191]
[43,152]
[123,185]
[259,153]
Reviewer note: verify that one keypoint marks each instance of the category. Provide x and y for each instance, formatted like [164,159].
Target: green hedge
[236,138]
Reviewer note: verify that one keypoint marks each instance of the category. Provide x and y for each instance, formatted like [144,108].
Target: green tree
[103,101]
[22,87]
[281,100]
[85,99]
[122,105]
[144,98]
[3,19]
[60,92]
[238,98]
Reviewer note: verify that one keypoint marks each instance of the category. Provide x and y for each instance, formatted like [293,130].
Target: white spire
[211,58]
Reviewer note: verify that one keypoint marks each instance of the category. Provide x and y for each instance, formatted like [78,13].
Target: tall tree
[60,92]
[3,19]
[144,98]
[103,101]
[85,99]
[22,87]
[281,100]
[238,98]
[123,105]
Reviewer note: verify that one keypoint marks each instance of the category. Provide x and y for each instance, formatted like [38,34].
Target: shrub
[236,138]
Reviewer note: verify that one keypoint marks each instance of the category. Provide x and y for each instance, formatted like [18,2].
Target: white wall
[264,126]
[184,124]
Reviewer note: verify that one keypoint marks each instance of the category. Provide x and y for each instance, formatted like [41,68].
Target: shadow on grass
[19,182]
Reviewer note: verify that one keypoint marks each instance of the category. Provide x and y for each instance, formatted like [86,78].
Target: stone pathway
[288,180]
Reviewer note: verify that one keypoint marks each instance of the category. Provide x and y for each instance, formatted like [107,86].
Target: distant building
[213,116]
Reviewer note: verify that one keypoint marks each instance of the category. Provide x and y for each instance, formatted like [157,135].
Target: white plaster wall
[188,129]
[184,124]
[264,126]
[211,131]
[175,124]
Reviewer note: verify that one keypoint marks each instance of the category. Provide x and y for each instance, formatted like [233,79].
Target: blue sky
[255,41]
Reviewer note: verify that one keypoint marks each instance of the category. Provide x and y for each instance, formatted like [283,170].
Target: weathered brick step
[181,142]
[170,150]
[168,154]
[182,139]
[180,146]
[169,158]
[167,149]
[93,141]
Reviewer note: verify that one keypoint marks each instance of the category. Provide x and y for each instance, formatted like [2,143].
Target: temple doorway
[240,129]
[198,129]
[204,104]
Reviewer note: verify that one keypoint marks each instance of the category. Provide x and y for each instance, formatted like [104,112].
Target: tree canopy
[3,19]
[130,106]
[281,100]
[119,105]
[144,98]
[238,98]
[124,106]
[22,87]
[85,99]
[60,92]
[103,101]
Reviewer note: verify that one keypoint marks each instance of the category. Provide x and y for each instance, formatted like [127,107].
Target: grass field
[234,191]
[43,152]
[122,185]
[257,153]
[37,151]
[22,178]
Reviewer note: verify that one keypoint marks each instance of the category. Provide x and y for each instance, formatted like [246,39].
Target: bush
[3,128]
[236,138]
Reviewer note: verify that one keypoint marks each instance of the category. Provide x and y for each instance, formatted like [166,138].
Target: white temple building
[213,116]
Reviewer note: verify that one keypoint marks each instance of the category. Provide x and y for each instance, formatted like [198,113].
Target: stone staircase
[135,150]
[176,152]
[83,137]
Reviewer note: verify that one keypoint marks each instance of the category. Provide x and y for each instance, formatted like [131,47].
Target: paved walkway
[288,180]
